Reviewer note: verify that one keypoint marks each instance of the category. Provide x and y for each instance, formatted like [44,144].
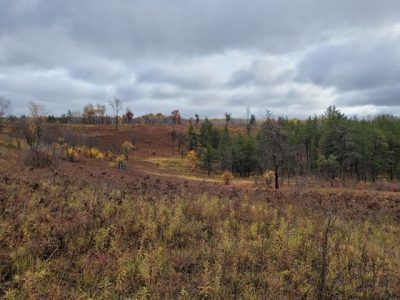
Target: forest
[332,146]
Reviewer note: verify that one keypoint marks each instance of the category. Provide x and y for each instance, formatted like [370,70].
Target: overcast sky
[294,58]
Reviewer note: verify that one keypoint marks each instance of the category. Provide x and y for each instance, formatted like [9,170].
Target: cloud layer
[292,57]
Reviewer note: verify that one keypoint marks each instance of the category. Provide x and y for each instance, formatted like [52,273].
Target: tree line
[332,145]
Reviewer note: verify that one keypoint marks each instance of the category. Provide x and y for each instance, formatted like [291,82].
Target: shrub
[109,155]
[386,186]
[99,156]
[227,177]
[91,152]
[95,153]
[39,159]
[55,147]
[119,162]
[70,154]
[85,151]
[69,240]
[126,148]
[269,177]
[191,160]
[256,180]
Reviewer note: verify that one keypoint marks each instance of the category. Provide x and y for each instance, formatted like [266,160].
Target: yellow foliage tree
[126,148]
[227,177]
[269,177]
[191,160]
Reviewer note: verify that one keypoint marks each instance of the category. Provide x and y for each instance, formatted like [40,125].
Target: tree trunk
[276,177]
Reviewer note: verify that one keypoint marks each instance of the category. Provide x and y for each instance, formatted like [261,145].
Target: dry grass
[81,237]
[63,239]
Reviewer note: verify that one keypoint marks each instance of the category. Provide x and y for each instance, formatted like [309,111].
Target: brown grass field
[158,230]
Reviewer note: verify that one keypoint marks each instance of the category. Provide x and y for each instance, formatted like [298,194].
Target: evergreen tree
[192,139]
[226,152]
[328,166]
[208,158]
[208,134]
[311,140]
[334,131]
[244,155]
[378,153]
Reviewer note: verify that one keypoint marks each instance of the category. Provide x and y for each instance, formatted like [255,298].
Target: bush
[386,186]
[126,148]
[40,159]
[95,153]
[77,242]
[70,154]
[227,177]
[119,162]
[55,148]
[191,160]
[256,180]
[109,155]
[269,177]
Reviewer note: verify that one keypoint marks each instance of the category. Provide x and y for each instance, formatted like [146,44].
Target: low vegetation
[63,239]
[82,216]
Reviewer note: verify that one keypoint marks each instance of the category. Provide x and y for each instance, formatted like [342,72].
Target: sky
[294,58]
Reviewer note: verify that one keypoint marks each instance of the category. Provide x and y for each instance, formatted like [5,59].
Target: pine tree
[225,148]
[208,158]
[192,139]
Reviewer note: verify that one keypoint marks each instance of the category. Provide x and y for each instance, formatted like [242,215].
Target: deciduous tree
[116,106]
[272,147]
[35,124]
[5,108]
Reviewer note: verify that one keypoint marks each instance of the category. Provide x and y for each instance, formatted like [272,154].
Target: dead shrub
[386,186]
[40,159]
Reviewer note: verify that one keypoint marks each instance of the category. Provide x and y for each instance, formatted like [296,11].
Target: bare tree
[34,126]
[5,108]
[250,120]
[324,265]
[100,112]
[176,119]
[116,105]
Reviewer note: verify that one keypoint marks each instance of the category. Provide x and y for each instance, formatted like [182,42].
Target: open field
[204,150]
[161,230]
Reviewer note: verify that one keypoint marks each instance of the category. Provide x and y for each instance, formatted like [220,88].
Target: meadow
[84,228]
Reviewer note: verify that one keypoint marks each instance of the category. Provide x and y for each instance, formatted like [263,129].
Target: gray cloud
[211,56]
[385,96]
[363,70]
[194,79]
[354,64]
[267,71]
